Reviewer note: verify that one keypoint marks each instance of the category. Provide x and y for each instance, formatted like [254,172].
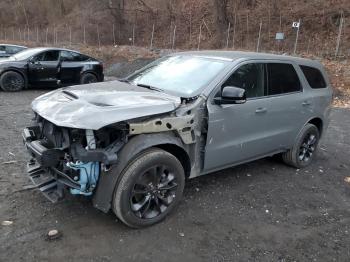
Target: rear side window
[68,56]
[314,77]
[282,78]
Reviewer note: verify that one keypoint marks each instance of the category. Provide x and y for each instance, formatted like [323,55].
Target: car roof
[235,55]
[41,49]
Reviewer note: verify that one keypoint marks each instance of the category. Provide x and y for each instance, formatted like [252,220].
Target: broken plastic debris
[197,189]
[6,223]
[347,179]
[12,154]
[249,174]
[181,234]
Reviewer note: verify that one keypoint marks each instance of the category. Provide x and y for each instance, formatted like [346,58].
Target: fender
[108,179]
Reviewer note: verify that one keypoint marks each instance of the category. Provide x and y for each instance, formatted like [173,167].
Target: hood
[5,59]
[94,106]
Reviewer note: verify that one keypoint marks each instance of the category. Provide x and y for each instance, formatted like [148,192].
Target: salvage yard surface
[262,211]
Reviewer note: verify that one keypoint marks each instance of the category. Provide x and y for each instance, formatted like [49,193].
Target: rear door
[44,68]
[290,105]
[72,64]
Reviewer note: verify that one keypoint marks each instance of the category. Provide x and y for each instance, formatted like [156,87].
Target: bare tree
[221,20]
[116,9]
[24,11]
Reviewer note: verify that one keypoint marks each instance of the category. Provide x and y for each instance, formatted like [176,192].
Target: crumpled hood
[94,106]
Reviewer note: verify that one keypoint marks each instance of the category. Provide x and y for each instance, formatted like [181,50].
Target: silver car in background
[7,50]
[131,144]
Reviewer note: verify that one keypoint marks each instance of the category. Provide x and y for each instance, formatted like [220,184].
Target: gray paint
[240,133]
[225,135]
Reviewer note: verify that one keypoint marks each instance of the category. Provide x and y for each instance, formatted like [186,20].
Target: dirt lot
[263,211]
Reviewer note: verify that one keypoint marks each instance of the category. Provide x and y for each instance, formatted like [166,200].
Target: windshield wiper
[150,87]
[124,80]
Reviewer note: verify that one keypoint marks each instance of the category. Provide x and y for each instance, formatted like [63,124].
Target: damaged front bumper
[51,172]
[41,167]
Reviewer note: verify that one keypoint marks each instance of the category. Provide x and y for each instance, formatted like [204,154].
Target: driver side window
[48,56]
[249,77]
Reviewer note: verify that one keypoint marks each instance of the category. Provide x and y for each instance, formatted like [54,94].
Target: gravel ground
[262,211]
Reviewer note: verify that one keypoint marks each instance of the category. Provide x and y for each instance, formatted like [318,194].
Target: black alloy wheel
[150,187]
[308,147]
[88,78]
[12,81]
[153,192]
[305,147]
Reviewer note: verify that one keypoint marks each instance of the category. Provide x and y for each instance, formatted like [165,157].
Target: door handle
[261,110]
[306,103]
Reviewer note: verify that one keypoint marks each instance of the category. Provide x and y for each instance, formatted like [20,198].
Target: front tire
[12,81]
[88,78]
[149,189]
[304,149]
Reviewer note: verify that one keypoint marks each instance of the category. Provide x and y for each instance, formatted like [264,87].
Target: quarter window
[314,77]
[282,79]
[249,77]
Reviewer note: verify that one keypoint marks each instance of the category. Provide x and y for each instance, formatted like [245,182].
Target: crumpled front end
[69,159]
[87,161]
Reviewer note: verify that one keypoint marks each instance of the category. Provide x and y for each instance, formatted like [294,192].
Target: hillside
[92,22]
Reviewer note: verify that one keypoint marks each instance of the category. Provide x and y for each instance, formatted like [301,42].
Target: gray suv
[131,144]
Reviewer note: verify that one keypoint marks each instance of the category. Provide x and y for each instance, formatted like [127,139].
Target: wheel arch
[88,71]
[318,122]
[180,153]
[166,141]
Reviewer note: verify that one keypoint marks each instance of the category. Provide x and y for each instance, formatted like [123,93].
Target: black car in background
[48,67]
[7,50]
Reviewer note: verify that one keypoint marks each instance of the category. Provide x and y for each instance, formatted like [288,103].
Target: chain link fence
[326,36]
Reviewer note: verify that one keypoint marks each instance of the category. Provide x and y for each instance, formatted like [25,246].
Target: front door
[44,68]
[239,132]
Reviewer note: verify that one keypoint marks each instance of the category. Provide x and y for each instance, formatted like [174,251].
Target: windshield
[25,54]
[183,74]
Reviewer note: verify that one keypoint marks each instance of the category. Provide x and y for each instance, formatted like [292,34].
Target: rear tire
[88,78]
[304,149]
[12,81]
[149,189]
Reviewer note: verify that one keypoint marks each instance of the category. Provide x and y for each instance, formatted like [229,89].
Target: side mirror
[231,95]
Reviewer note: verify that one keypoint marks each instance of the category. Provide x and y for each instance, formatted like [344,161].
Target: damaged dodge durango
[131,144]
